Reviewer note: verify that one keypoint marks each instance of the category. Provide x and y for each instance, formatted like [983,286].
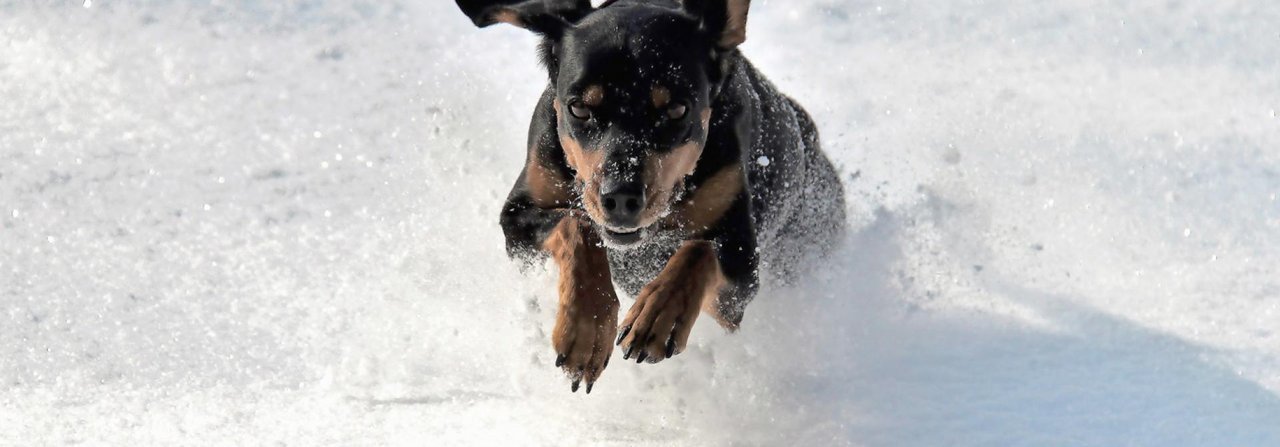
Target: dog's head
[633,86]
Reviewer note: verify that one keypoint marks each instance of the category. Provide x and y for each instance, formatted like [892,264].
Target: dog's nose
[622,202]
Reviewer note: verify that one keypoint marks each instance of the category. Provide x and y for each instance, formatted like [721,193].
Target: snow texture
[253,223]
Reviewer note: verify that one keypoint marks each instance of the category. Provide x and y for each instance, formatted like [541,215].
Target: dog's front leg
[586,320]
[658,324]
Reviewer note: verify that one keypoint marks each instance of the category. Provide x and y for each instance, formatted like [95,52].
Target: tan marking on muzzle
[664,173]
[586,167]
[662,176]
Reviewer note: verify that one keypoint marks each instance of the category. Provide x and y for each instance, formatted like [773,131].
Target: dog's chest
[633,268]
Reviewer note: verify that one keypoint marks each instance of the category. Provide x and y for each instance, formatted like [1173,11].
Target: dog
[661,160]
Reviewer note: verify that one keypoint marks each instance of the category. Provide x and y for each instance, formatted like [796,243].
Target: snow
[238,223]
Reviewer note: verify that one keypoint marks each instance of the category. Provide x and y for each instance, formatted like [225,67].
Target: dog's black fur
[637,88]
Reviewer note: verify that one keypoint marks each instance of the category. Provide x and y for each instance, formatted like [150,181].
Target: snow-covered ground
[249,223]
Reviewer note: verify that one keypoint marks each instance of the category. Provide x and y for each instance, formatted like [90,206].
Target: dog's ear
[724,20]
[547,17]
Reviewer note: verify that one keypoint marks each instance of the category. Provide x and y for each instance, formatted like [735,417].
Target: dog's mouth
[623,238]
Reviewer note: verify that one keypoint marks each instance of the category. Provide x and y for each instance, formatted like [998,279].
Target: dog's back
[796,192]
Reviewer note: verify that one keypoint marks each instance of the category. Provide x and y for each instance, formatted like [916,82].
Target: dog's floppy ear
[725,20]
[546,17]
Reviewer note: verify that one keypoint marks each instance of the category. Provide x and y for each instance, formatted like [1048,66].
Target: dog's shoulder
[772,134]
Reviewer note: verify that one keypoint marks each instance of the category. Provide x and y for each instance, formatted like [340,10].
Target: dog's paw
[583,330]
[658,325]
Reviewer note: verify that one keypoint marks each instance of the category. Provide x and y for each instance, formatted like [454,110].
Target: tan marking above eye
[661,96]
[508,17]
[593,95]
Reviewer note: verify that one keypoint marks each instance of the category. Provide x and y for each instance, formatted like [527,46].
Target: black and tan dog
[658,158]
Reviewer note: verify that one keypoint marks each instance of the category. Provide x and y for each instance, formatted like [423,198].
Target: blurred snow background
[248,223]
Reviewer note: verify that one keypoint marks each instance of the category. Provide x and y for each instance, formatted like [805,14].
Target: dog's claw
[622,335]
[640,358]
[626,353]
[560,358]
[671,348]
[589,384]
[574,387]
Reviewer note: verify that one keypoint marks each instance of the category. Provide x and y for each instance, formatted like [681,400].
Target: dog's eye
[579,110]
[677,111]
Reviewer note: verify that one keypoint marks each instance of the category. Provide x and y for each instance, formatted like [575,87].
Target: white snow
[248,223]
